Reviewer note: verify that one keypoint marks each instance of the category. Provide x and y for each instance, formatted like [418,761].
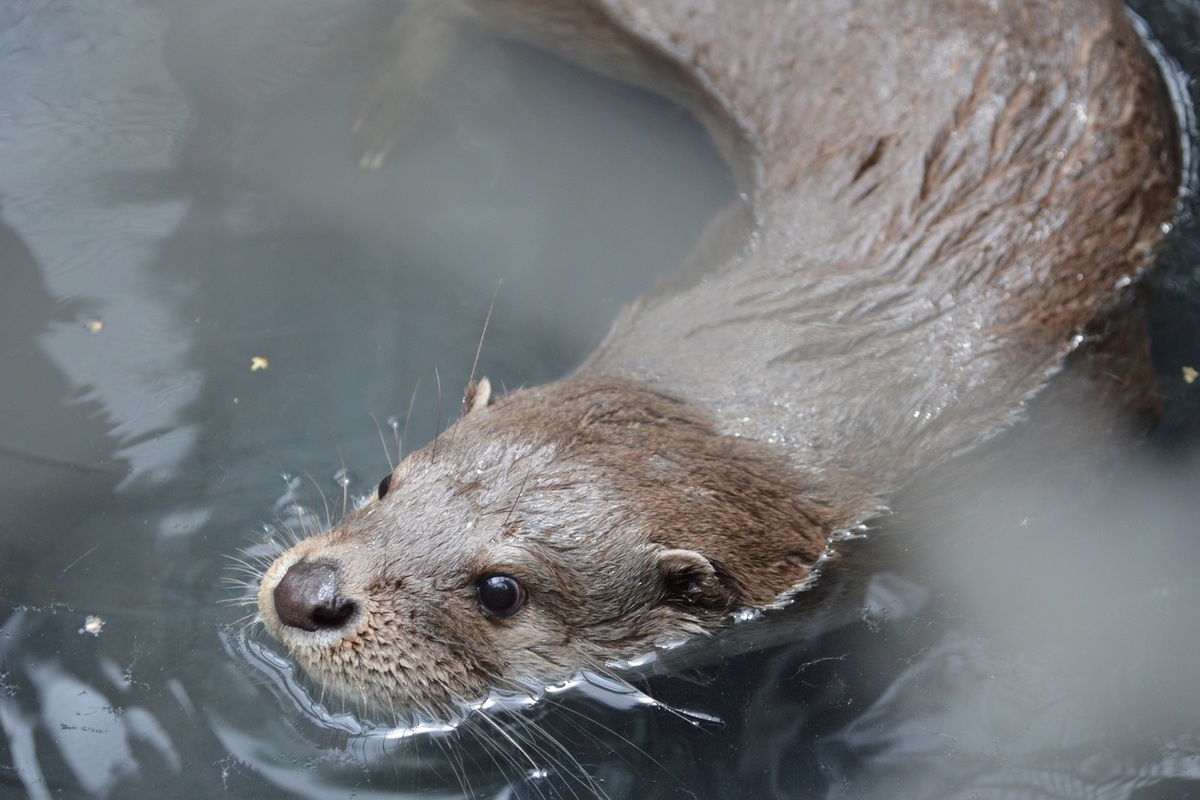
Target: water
[180,194]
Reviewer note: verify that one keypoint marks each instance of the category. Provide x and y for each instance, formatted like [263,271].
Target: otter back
[942,196]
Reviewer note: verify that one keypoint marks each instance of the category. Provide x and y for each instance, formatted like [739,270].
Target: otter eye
[500,595]
[383,487]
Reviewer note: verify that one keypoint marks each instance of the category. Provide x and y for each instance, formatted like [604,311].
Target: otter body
[941,201]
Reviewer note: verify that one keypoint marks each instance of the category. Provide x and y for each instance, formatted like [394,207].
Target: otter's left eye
[500,595]
[383,487]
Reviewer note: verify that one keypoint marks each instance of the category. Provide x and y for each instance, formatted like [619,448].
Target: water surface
[180,194]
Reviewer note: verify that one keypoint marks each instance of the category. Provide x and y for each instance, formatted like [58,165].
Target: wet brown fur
[943,203]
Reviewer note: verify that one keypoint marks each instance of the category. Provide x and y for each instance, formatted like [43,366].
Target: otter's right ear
[478,395]
[689,580]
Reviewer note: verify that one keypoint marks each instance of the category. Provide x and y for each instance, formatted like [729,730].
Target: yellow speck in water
[258,362]
[92,625]
[94,325]
[1190,374]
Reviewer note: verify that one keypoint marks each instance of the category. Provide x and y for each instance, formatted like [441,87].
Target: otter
[943,205]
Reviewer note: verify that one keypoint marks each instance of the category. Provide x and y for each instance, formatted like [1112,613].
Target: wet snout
[309,597]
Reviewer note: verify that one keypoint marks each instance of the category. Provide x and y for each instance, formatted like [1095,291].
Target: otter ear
[689,580]
[478,395]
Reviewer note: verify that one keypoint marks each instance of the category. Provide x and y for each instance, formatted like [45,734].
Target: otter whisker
[508,737]
[412,399]
[246,620]
[383,441]
[578,720]
[500,758]
[437,376]
[343,480]
[615,677]
[471,387]
[509,745]
[455,757]
[300,514]
[569,764]
[483,333]
[520,491]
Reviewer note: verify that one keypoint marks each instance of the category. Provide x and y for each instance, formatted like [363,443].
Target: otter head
[571,525]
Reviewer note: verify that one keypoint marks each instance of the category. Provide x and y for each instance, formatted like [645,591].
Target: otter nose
[307,597]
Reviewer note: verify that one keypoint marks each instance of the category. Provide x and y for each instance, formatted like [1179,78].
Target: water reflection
[65,729]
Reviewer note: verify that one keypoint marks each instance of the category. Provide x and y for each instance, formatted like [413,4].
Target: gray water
[180,194]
